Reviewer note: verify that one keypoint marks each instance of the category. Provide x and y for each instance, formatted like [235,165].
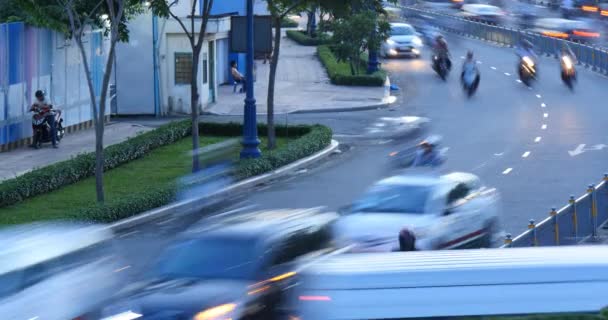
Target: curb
[380,105]
[188,206]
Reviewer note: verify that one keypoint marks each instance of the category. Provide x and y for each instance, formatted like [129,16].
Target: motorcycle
[568,72]
[404,158]
[527,70]
[42,128]
[470,81]
[442,66]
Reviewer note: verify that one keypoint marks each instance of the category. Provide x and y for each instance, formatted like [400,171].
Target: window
[205,61]
[183,67]
[458,193]
[394,199]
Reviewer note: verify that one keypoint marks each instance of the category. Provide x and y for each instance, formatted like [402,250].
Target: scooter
[404,158]
[42,128]
[568,71]
[527,70]
[470,81]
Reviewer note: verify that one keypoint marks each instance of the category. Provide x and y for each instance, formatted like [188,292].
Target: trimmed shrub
[310,140]
[339,73]
[303,39]
[55,176]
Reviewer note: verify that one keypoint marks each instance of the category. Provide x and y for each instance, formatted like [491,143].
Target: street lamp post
[250,128]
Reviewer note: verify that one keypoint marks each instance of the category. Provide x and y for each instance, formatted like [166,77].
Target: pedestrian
[238,77]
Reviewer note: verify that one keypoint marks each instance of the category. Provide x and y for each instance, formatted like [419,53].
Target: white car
[403,41]
[442,211]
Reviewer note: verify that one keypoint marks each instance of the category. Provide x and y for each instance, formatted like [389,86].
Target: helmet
[431,141]
[39,94]
[470,54]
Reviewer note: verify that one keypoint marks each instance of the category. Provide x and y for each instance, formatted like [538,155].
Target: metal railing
[587,55]
[580,219]
[577,221]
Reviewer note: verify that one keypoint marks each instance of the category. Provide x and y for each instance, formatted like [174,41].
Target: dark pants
[243,85]
[37,131]
[51,121]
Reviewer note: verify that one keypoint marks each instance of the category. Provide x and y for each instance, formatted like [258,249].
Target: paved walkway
[17,162]
[302,85]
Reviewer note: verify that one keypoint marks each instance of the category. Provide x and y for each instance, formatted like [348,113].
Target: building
[152,70]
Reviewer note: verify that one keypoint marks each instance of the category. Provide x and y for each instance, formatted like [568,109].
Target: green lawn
[160,167]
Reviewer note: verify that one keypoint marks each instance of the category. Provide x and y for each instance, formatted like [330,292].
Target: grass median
[339,72]
[158,169]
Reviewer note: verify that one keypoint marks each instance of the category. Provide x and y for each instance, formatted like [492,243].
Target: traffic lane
[141,246]
[494,134]
[530,185]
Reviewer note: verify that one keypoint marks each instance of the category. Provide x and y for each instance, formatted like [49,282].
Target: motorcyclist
[42,108]
[470,67]
[526,48]
[441,50]
[566,51]
[427,155]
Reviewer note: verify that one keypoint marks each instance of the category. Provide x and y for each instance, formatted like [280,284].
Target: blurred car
[483,13]
[56,271]
[403,41]
[573,30]
[396,127]
[445,211]
[235,268]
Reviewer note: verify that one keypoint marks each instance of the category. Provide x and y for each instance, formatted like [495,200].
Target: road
[515,138]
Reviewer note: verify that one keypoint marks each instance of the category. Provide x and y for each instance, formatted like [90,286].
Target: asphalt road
[515,138]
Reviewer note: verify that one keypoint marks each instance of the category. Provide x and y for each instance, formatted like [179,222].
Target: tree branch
[208,4]
[288,10]
[181,24]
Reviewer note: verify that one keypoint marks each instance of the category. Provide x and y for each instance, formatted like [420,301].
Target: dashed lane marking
[526,154]
[507,171]
[537,139]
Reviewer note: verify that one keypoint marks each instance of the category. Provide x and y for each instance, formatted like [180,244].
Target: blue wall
[227,6]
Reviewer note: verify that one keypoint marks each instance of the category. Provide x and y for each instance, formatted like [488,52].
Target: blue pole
[250,129]
[155,63]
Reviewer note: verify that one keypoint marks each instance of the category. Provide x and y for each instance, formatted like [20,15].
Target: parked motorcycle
[568,72]
[527,70]
[41,126]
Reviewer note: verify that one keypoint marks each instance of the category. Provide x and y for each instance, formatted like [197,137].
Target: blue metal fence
[36,59]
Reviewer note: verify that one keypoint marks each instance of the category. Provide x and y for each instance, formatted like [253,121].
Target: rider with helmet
[442,51]
[427,154]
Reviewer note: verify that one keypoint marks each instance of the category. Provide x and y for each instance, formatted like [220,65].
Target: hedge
[55,176]
[303,39]
[313,139]
[339,73]
[289,23]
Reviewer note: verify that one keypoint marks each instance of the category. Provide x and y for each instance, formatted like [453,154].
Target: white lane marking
[122,269]
[526,154]
[462,57]
[544,127]
[507,171]
[530,88]
[518,81]
[545,115]
[538,96]
[499,154]
[580,149]
[124,235]
[478,62]
[479,166]
[507,74]
[493,68]
[542,105]
[537,139]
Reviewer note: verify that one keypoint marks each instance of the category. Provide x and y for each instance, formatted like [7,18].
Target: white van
[56,271]
[462,283]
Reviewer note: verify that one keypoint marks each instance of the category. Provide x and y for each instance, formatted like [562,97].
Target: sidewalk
[17,162]
[302,85]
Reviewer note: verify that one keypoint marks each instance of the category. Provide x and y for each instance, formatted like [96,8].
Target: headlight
[390,41]
[221,312]
[528,61]
[567,62]
[127,315]
[417,41]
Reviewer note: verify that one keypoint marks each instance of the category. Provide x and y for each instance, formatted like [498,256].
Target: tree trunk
[99,160]
[274,61]
[194,108]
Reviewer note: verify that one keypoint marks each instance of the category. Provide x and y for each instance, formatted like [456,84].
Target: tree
[76,18]
[355,34]
[279,9]
[195,37]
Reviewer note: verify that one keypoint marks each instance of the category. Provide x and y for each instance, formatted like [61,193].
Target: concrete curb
[192,205]
[379,105]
